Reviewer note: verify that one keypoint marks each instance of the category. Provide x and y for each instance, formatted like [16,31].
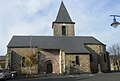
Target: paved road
[85,77]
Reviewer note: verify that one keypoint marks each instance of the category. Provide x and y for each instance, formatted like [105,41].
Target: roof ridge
[48,36]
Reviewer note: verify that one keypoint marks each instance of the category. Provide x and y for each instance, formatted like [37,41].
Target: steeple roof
[63,15]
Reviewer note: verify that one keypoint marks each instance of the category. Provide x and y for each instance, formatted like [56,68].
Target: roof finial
[61,1]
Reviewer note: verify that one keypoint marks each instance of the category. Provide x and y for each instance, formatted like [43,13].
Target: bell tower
[63,25]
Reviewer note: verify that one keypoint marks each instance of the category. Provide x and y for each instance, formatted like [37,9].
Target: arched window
[23,61]
[63,30]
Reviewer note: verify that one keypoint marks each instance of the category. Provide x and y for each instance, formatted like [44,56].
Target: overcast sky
[35,17]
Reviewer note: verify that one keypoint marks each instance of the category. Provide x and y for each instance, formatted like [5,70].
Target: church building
[62,53]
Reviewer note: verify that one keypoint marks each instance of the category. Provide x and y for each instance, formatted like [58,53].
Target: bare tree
[31,61]
[115,50]
[115,55]
[32,58]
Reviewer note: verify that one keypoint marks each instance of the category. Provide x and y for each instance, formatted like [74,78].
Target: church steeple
[63,15]
[63,25]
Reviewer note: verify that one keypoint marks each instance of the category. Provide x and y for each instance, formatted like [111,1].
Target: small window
[23,61]
[63,30]
[77,60]
[119,62]
[91,58]
[105,58]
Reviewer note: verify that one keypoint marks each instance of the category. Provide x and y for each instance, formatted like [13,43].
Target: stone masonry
[57,27]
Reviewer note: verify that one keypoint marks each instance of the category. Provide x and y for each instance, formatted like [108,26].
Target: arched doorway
[49,68]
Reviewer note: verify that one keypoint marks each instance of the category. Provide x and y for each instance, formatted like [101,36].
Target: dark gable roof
[63,15]
[69,44]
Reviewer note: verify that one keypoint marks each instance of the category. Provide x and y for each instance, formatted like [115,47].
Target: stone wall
[99,56]
[85,63]
[49,55]
[2,63]
[62,61]
[44,57]
[57,29]
[15,62]
[72,67]
[16,55]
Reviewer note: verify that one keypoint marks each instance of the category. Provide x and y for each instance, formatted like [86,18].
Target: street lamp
[115,23]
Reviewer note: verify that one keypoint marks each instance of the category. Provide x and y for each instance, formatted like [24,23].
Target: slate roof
[2,58]
[69,44]
[63,15]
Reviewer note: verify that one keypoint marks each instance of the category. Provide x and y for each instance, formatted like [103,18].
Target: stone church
[63,53]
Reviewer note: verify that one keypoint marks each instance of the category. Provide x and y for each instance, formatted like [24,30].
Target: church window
[105,58]
[77,60]
[23,61]
[63,30]
[91,58]
[119,62]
